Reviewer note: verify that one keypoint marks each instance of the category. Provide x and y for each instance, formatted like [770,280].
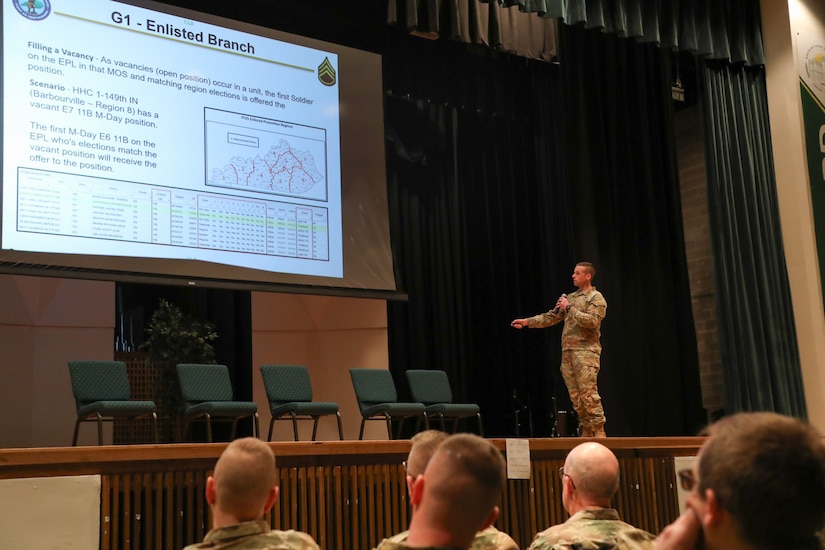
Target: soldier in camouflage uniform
[455,497]
[581,348]
[758,483]
[240,492]
[422,447]
[590,478]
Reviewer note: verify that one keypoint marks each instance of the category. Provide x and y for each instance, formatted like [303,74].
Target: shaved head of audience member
[422,447]
[590,479]
[458,494]
[240,492]
[757,484]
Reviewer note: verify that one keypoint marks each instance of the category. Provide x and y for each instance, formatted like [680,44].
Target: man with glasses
[757,484]
[422,447]
[590,479]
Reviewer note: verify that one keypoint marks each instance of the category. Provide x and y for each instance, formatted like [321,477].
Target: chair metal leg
[340,429]
[480,428]
[361,432]
[99,429]
[271,423]
[315,426]
[295,426]
[76,429]
[257,426]
[443,428]
[208,427]
[389,425]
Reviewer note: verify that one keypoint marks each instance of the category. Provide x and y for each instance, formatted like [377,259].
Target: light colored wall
[50,512]
[330,336]
[45,322]
[781,21]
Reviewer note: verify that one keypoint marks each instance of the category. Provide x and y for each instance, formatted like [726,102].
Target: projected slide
[131,132]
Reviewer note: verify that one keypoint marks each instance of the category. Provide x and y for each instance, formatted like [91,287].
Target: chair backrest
[429,386]
[201,382]
[286,383]
[373,386]
[99,381]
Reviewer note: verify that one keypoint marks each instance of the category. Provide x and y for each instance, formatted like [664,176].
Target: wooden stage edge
[62,461]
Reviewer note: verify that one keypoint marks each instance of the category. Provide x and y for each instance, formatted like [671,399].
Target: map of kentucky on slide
[283,169]
[265,155]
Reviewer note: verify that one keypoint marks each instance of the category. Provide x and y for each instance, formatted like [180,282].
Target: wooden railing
[347,495]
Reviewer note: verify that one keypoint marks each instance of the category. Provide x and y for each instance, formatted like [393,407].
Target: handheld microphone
[556,309]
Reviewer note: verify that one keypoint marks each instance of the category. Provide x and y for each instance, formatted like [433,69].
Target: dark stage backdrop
[504,173]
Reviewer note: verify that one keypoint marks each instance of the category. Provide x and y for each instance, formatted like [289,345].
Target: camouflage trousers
[580,370]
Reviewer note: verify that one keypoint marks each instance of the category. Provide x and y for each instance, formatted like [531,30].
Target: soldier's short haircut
[469,473]
[244,475]
[589,268]
[423,446]
[768,472]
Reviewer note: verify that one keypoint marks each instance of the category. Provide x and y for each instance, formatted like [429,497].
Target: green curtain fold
[757,332]
[717,29]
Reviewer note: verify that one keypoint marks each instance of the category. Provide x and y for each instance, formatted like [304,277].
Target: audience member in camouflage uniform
[455,497]
[590,478]
[581,348]
[241,491]
[423,445]
[757,484]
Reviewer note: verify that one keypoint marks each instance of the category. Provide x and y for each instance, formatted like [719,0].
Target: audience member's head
[243,485]
[422,448]
[458,493]
[590,477]
[758,483]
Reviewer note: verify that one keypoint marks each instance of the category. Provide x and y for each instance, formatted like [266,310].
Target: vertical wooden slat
[136,515]
[168,494]
[293,491]
[116,528]
[301,514]
[125,511]
[342,510]
[178,488]
[157,511]
[105,513]
[361,538]
[320,478]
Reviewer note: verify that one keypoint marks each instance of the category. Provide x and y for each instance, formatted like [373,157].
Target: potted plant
[172,338]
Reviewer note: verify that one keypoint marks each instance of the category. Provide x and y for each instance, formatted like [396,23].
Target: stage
[347,494]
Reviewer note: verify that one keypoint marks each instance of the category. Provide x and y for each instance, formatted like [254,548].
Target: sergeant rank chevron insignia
[326,73]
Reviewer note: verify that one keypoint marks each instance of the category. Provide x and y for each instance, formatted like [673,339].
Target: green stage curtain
[757,333]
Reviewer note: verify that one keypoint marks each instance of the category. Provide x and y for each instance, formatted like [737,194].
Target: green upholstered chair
[378,400]
[432,388]
[207,392]
[102,393]
[289,391]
